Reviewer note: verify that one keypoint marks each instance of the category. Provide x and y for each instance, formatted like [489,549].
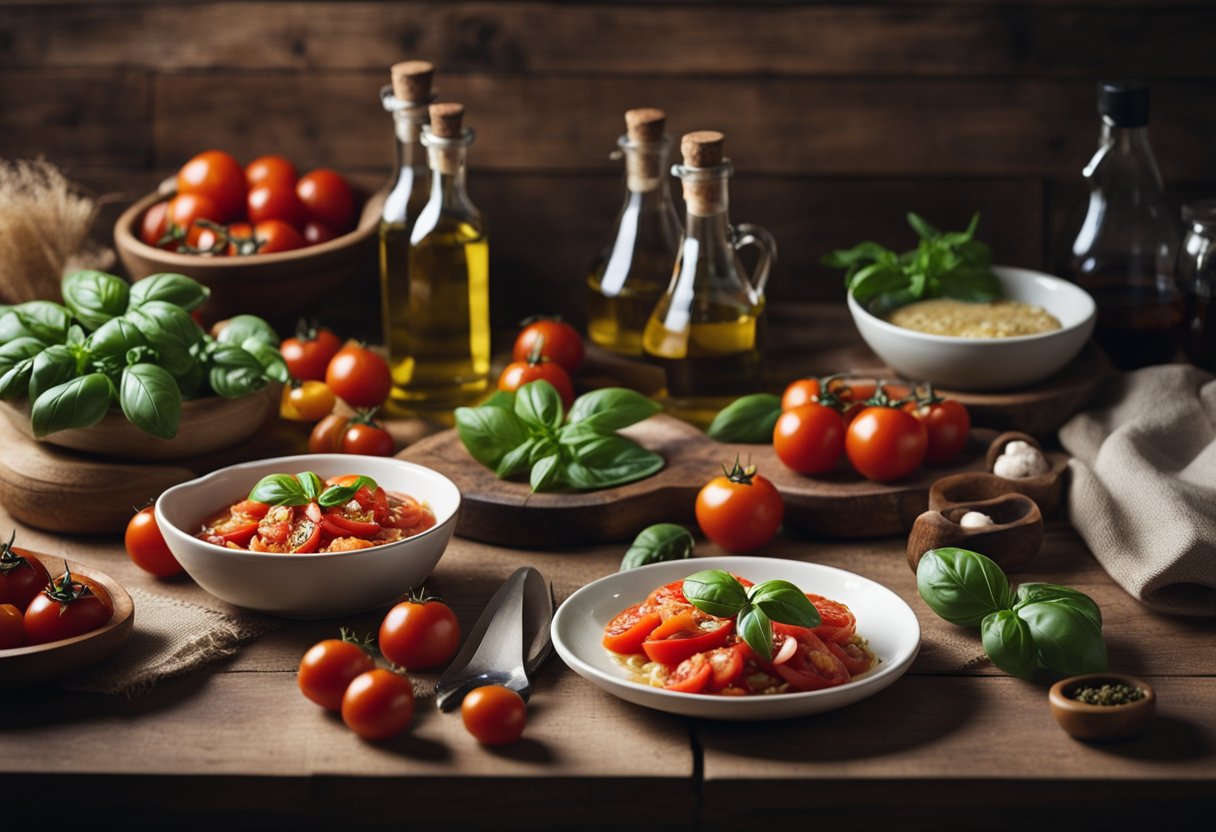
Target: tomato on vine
[365,436]
[329,667]
[558,341]
[69,606]
[884,441]
[217,176]
[535,367]
[307,353]
[809,438]
[22,576]
[327,198]
[948,425]
[359,376]
[740,511]
[420,632]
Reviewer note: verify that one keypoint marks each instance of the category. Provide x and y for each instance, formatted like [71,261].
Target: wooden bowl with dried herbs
[1102,707]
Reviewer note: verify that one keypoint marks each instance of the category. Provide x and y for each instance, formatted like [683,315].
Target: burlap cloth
[1143,492]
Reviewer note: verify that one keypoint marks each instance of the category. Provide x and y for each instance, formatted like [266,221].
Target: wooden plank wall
[840,116]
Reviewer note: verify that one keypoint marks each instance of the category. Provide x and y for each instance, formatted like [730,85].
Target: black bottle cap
[1123,103]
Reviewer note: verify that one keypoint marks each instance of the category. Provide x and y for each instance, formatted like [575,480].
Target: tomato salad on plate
[301,514]
[717,633]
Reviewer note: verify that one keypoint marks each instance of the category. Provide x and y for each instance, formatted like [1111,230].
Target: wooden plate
[24,667]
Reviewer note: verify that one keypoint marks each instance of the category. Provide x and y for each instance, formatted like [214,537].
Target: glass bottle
[406,99]
[442,358]
[1197,281]
[627,279]
[707,331]
[1125,250]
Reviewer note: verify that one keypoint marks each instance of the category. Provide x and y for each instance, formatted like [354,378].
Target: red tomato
[494,715]
[682,635]
[276,201]
[155,223]
[553,339]
[241,240]
[217,176]
[309,352]
[519,373]
[670,596]
[22,576]
[948,425]
[740,511]
[328,199]
[692,675]
[359,376]
[367,438]
[419,633]
[626,632]
[185,209]
[308,401]
[801,391]
[266,169]
[146,545]
[378,704]
[809,438]
[276,235]
[12,627]
[316,233]
[727,665]
[856,395]
[326,436]
[69,606]
[813,666]
[886,443]
[328,668]
[837,622]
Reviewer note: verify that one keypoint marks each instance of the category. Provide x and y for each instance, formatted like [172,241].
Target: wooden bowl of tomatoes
[260,247]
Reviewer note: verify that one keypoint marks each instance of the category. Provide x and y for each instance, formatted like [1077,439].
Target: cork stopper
[702,149]
[645,124]
[412,81]
[447,120]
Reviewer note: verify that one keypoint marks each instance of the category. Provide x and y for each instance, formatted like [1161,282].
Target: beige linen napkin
[1143,493]
[169,638]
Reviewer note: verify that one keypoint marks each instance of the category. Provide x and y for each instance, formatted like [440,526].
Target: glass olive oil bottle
[441,349]
[629,276]
[707,331]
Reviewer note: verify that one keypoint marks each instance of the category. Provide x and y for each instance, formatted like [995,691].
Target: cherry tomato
[329,667]
[419,633]
[378,704]
[146,545]
[217,176]
[799,392]
[809,438]
[326,436]
[309,352]
[276,201]
[812,666]
[272,168]
[185,209]
[308,401]
[948,425]
[519,373]
[22,576]
[494,715]
[886,443]
[626,632]
[69,606]
[155,223]
[12,627]
[367,438]
[328,199]
[740,511]
[358,376]
[241,240]
[559,342]
[276,235]
[316,233]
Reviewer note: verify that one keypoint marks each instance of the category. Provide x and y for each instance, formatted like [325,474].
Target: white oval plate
[883,619]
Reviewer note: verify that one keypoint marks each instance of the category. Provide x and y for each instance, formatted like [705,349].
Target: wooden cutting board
[841,504]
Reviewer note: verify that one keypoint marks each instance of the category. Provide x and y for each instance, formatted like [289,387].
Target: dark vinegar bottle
[1124,251]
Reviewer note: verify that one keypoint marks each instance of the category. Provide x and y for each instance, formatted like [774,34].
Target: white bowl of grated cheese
[989,361]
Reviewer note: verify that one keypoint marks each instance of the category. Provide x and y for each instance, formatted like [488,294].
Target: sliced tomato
[626,632]
[670,595]
[852,656]
[305,535]
[682,635]
[813,666]
[251,508]
[726,664]
[348,525]
[837,623]
[691,676]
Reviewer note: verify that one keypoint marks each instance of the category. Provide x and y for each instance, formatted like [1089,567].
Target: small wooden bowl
[1101,723]
[23,667]
[1013,539]
[1047,490]
[277,287]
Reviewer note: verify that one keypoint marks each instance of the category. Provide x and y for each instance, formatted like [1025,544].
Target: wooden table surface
[954,743]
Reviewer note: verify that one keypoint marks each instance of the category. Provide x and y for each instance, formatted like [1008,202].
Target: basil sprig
[720,594]
[528,432]
[658,543]
[306,487]
[1040,626]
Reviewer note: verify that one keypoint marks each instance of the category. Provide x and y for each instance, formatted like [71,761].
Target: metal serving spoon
[494,653]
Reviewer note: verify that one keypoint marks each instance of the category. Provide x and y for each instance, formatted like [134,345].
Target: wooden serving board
[841,504]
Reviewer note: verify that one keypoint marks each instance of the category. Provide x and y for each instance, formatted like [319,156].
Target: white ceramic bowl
[316,585]
[988,363]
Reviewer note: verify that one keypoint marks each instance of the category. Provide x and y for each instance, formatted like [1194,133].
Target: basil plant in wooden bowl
[124,371]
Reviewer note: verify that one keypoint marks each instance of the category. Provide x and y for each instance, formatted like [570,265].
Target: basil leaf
[539,405]
[747,419]
[171,331]
[79,403]
[715,592]
[12,328]
[15,382]
[610,461]
[1008,643]
[95,297]
[52,367]
[41,319]
[517,460]
[546,473]
[279,490]
[242,328]
[755,628]
[337,495]
[500,398]
[151,400]
[542,446]
[489,433]
[1032,593]
[176,289]
[923,229]
[311,484]
[962,586]
[1068,640]
[20,348]
[611,408]
[270,358]
[784,602]
[114,339]
[658,543]
[235,372]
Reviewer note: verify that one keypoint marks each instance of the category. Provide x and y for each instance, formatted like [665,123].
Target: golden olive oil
[615,322]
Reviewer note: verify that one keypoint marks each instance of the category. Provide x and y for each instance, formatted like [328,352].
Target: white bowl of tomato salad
[331,534]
